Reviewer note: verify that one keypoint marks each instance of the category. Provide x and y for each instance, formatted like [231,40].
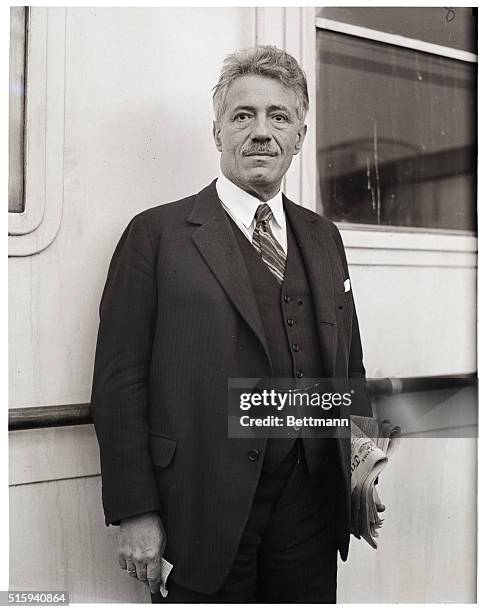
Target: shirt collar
[243,205]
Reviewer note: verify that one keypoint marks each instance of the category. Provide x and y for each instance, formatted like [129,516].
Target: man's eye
[241,117]
[280,118]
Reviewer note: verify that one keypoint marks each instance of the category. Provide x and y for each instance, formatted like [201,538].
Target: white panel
[426,552]
[58,541]
[138,122]
[427,544]
[270,26]
[308,153]
[293,29]
[416,321]
[292,44]
[37,455]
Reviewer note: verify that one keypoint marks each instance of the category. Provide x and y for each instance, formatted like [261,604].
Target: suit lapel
[215,240]
[317,261]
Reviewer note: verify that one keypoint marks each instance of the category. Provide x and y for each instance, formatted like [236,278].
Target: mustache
[262,148]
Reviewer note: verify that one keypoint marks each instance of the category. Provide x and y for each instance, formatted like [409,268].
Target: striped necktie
[266,244]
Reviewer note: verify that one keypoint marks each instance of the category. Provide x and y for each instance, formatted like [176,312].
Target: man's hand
[141,544]
[380,507]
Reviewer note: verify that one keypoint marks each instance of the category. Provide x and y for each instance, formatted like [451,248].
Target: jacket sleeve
[119,402]
[356,371]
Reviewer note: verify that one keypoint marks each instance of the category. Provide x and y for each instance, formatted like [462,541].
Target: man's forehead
[252,89]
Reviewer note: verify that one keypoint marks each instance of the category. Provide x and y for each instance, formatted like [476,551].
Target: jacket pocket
[344,300]
[162,449]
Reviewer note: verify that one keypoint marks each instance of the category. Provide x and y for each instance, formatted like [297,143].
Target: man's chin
[259,178]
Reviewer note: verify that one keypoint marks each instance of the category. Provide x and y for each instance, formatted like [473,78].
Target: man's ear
[216,135]
[300,139]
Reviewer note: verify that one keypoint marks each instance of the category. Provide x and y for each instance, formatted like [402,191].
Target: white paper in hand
[166,568]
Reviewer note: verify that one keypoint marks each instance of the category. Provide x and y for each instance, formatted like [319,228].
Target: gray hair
[263,60]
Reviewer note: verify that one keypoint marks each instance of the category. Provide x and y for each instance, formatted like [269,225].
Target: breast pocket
[344,316]
[162,449]
[344,301]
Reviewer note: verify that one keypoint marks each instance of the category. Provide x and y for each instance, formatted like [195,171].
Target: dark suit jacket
[177,318]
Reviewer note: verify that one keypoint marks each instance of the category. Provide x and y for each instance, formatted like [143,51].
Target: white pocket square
[347,285]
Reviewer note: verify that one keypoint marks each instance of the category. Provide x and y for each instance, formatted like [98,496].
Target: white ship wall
[137,132]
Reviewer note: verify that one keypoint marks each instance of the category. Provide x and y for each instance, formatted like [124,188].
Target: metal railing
[79,414]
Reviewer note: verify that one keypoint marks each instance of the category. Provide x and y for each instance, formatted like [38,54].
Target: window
[453,27]
[37,67]
[395,131]
[16,140]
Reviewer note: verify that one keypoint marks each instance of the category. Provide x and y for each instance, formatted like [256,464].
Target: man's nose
[261,129]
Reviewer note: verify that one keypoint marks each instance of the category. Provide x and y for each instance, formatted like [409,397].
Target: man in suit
[235,281]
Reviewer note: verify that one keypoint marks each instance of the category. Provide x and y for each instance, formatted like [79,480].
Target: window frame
[33,230]
[370,242]
[19,16]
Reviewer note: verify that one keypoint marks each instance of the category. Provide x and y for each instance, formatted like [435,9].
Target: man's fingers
[130,568]
[154,585]
[153,573]
[140,540]
[153,569]
[140,570]
[380,507]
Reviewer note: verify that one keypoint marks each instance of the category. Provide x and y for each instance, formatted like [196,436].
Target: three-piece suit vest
[288,318]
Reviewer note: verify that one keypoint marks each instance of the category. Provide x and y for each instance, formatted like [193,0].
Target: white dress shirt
[241,207]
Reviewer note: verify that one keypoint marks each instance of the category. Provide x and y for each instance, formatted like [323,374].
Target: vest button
[287,299]
[300,302]
[295,347]
[299,373]
[253,454]
[290,322]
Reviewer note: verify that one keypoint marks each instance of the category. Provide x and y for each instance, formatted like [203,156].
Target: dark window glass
[454,27]
[396,135]
[18,28]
